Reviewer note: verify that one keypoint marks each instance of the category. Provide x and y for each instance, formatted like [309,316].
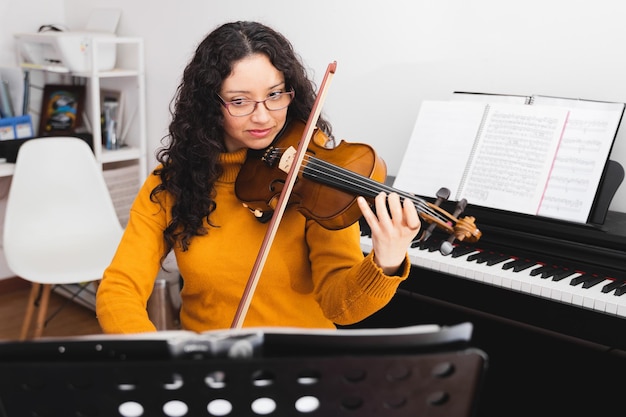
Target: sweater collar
[231,164]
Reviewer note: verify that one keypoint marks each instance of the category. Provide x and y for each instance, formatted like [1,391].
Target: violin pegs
[446,246]
[460,207]
[442,195]
[427,233]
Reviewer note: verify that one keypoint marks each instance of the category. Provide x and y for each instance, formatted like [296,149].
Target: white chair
[60,225]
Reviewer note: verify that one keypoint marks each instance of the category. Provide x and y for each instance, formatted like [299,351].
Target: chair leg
[43,310]
[30,309]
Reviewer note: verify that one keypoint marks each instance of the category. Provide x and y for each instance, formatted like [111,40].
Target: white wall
[391,54]
[25,16]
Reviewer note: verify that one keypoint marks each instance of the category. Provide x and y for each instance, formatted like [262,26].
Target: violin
[329,182]
[325,183]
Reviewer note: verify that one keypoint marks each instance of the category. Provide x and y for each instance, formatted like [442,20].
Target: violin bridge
[287,159]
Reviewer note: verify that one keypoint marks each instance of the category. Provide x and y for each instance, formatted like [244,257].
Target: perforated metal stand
[437,382]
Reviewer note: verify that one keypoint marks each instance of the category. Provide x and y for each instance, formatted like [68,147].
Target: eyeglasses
[240,108]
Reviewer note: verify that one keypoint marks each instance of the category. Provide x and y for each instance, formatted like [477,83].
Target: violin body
[329,181]
[261,181]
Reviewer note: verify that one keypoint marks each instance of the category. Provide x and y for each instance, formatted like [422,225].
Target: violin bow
[246,298]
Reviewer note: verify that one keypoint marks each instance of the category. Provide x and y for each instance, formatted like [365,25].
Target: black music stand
[610,182]
[395,373]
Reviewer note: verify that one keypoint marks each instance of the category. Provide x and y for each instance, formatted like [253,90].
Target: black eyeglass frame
[227,104]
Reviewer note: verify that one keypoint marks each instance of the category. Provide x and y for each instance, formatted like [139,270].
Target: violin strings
[347,180]
[351,181]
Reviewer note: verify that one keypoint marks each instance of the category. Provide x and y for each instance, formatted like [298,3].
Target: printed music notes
[534,155]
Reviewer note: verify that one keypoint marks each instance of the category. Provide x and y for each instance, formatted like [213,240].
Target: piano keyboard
[586,290]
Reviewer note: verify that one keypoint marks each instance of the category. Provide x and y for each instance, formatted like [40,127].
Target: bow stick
[246,298]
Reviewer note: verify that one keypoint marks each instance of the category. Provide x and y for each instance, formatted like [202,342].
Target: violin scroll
[461,229]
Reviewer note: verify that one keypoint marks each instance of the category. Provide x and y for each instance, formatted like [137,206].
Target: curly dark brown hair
[189,159]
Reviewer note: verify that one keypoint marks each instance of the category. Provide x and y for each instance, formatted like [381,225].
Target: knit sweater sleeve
[348,285]
[128,281]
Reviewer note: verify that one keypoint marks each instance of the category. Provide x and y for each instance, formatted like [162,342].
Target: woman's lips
[259,133]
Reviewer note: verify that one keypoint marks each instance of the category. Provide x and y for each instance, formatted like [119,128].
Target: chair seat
[47,262]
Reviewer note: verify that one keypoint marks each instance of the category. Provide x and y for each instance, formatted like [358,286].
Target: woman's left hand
[394,226]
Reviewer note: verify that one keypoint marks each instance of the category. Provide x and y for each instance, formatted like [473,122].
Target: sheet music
[582,156]
[509,166]
[504,166]
[514,157]
[441,141]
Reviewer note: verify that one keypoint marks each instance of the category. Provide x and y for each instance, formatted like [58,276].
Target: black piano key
[489,258]
[519,265]
[549,273]
[621,290]
[562,274]
[462,250]
[577,280]
[428,245]
[431,245]
[433,248]
[592,280]
[497,259]
[486,257]
[611,286]
[422,244]
[417,244]
[478,257]
[581,278]
[475,257]
[540,270]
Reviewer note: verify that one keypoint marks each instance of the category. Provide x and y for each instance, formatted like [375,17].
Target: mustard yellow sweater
[313,277]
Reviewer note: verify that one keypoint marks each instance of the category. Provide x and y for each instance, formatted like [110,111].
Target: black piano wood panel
[546,358]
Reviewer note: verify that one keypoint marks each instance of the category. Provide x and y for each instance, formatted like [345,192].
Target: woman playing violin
[242,86]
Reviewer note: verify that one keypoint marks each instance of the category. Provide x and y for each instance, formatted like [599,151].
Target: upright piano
[548,302]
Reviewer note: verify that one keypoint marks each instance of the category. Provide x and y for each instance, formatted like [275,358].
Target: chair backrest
[60,221]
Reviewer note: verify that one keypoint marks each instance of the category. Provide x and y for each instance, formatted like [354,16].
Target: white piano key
[602,301]
[611,308]
[612,304]
[589,298]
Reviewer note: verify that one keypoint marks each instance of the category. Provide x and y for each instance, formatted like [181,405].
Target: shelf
[114,73]
[48,68]
[128,153]
[108,156]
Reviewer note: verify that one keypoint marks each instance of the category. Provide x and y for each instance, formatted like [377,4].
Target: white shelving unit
[130,67]
[135,149]
[125,168]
